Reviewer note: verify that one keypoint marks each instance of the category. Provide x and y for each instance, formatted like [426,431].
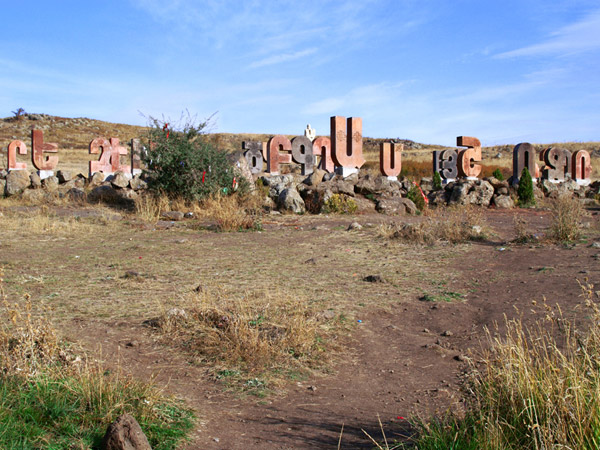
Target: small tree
[19,113]
[183,163]
[437,181]
[415,195]
[497,174]
[525,189]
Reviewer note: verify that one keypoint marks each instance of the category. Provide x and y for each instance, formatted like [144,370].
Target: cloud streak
[579,37]
[285,57]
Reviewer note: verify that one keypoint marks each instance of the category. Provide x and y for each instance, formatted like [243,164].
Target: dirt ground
[404,356]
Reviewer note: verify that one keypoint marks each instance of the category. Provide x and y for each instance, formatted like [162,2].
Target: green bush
[437,181]
[497,174]
[340,204]
[183,163]
[525,189]
[414,194]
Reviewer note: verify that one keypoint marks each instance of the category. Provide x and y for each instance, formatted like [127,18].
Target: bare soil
[409,336]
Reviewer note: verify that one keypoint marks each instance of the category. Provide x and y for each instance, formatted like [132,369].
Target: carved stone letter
[445,162]
[467,157]
[13,147]
[38,148]
[118,150]
[322,148]
[302,153]
[390,158]
[102,146]
[136,157]
[524,156]
[581,167]
[346,142]
[254,156]
[558,163]
[275,146]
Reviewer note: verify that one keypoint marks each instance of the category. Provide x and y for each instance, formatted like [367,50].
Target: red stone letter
[390,159]
[12,155]
[524,156]
[115,156]
[467,157]
[102,146]
[38,148]
[346,142]
[581,166]
[322,148]
[275,146]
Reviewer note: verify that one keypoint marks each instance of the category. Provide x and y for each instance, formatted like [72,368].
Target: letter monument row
[341,152]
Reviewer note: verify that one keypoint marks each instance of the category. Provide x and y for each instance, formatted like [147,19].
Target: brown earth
[404,355]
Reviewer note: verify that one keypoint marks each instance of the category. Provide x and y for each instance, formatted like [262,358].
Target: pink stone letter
[390,158]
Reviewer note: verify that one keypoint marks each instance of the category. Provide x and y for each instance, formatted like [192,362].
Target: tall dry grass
[567,213]
[535,387]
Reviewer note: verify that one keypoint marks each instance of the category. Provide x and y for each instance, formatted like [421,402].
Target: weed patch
[567,213]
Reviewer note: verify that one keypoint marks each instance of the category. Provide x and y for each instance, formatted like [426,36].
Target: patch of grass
[534,388]
[523,235]
[258,336]
[340,204]
[229,215]
[51,399]
[567,213]
[443,296]
[456,224]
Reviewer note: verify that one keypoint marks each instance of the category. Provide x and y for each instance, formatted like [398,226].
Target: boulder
[76,195]
[481,193]
[289,200]
[426,184]
[97,179]
[503,201]
[17,181]
[277,184]
[172,215]
[460,193]
[496,183]
[315,178]
[2,187]
[242,168]
[438,198]
[398,205]
[125,434]
[78,183]
[36,181]
[375,185]
[50,183]
[108,194]
[120,180]
[137,184]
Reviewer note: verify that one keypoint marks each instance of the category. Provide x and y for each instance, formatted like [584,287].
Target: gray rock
[438,198]
[3,174]
[107,194]
[173,215]
[63,176]
[50,183]
[503,201]
[120,180]
[375,185]
[290,200]
[328,176]
[496,183]
[460,193]
[17,181]
[397,205]
[481,193]
[76,195]
[315,178]
[137,184]
[96,179]
[78,183]
[125,434]
[33,195]
[2,187]
[242,168]
[426,184]
[354,226]
[36,181]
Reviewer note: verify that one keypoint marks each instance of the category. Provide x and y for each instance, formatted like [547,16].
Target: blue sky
[504,71]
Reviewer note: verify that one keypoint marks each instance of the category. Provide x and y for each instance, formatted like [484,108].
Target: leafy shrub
[183,163]
[498,174]
[525,189]
[437,181]
[340,204]
[414,195]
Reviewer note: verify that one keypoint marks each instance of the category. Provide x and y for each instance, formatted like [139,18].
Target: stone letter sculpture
[302,153]
[524,156]
[445,162]
[346,142]
[13,147]
[322,148]
[38,148]
[581,167]
[253,155]
[557,163]
[275,146]
[310,133]
[467,158]
[390,159]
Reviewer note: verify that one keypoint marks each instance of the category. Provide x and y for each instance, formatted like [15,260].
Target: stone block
[390,159]
[581,167]
[275,156]
[39,148]
[13,148]
[467,158]
[302,153]
[322,148]
[524,156]
[557,164]
[346,142]
[254,156]
[17,181]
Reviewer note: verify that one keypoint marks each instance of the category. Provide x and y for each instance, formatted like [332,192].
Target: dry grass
[567,213]
[455,224]
[523,235]
[259,335]
[233,213]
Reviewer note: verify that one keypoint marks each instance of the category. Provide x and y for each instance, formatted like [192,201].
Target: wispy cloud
[578,37]
[285,57]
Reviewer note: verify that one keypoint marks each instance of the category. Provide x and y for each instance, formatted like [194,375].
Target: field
[284,336]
